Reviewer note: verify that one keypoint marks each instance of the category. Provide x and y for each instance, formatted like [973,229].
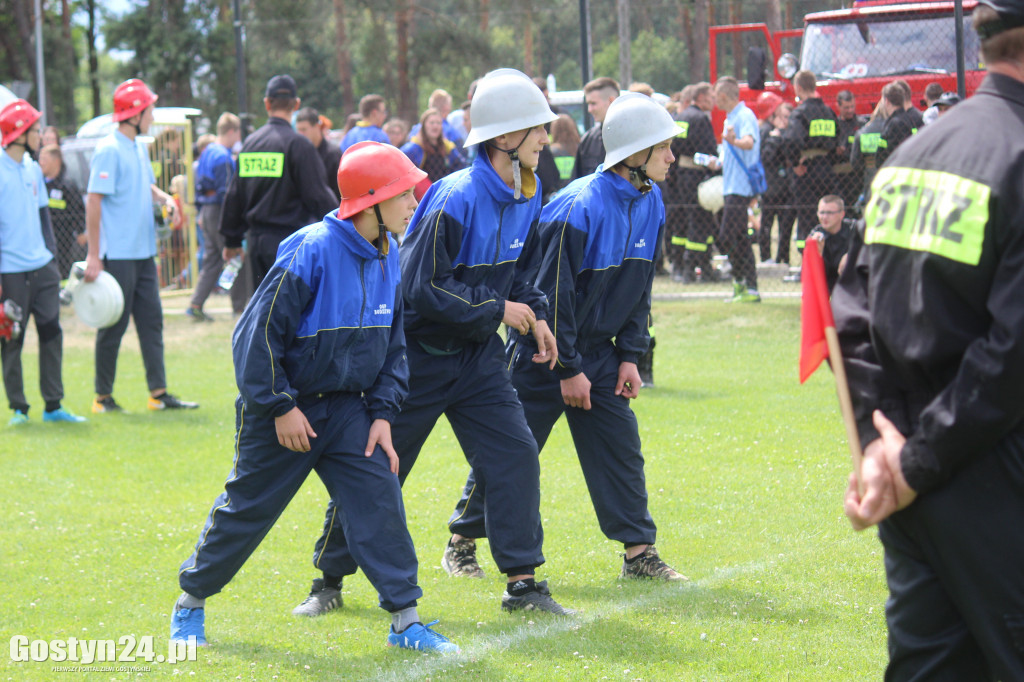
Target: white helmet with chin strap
[506,100]
[635,122]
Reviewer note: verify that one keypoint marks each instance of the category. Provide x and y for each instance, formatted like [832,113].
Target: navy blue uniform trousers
[266,476]
[471,388]
[954,560]
[607,443]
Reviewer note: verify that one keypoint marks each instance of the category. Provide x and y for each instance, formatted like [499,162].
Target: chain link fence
[852,55]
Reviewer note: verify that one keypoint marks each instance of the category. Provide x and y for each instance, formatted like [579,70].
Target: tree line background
[339,50]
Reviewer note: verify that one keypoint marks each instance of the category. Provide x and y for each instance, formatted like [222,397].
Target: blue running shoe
[187,623]
[61,415]
[420,637]
[18,419]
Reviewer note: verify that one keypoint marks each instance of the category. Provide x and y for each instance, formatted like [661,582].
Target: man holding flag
[931,325]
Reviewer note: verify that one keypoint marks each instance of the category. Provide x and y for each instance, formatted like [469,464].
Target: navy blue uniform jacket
[599,236]
[460,258]
[327,318]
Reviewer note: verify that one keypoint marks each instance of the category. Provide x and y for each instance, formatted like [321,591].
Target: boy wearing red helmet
[321,369]
[121,234]
[28,271]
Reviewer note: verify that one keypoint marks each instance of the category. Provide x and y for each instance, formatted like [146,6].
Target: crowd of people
[352,337]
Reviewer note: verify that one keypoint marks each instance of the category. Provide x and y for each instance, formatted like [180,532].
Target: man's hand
[885,490]
[519,316]
[380,434]
[81,239]
[547,349]
[576,391]
[93,267]
[817,236]
[800,170]
[228,253]
[629,382]
[293,430]
[730,134]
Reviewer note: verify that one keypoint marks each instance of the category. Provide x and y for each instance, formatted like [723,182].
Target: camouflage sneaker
[650,565]
[539,599]
[320,600]
[460,559]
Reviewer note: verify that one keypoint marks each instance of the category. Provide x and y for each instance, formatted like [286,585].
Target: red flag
[815,311]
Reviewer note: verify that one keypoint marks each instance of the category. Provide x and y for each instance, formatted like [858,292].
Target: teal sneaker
[62,415]
[420,637]
[18,419]
[187,623]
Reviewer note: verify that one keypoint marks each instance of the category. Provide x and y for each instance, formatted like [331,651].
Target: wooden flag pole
[845,404]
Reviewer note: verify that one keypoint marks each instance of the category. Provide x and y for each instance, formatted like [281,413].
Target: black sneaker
[649,565]
[535,600]
[459,559]
[105,405]
[166,401]
[320,600]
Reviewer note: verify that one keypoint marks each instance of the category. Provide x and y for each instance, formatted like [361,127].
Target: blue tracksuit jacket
[600,236]
[460,256]
[327,318]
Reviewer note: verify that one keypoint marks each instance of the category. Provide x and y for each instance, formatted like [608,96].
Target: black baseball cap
[1011,15]
[282,86]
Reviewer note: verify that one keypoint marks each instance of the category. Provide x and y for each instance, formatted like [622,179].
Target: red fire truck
[860,49]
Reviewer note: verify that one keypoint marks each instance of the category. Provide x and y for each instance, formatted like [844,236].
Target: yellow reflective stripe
[261,165]
[564,165]
[684,129]
[822,127]
[800,243]
[58,204]
[696,246]
[913,131]
[679,241]
[869,142]
[882,144]
[931,211]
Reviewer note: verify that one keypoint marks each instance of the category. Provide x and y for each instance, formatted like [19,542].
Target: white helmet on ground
[634,122]
[99,303]
[506,100]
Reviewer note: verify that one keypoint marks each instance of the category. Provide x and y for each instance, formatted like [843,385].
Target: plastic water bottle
[704,159]
[230,273]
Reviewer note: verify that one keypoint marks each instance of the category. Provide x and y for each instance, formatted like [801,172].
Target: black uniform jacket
[929,308]
[279,187]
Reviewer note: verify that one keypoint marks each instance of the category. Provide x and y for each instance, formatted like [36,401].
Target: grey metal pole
[40,67]
[243,98]
[961,72]
[586,55]
[625,54]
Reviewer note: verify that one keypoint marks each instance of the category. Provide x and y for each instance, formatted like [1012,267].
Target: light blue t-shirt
[734,176]
[120,170]
[23,192]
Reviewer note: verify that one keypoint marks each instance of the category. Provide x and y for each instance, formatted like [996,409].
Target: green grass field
[745,472]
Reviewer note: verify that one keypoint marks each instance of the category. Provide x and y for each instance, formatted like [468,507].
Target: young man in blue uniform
[28,270]
[121,235]
[599,239]
[462,280]
[321,370]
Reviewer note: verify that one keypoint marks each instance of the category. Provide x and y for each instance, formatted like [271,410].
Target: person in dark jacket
[320,363]
[833,234]
[863,155]
[899,124]
[931,326]
[598,95]
[310,124]
[811,140]
[280,185]
[848,179]
[67,210]
[691,228]
[777,202]
[461,279]
[602,294]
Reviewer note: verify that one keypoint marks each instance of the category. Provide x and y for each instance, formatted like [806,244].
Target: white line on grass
[545,625]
